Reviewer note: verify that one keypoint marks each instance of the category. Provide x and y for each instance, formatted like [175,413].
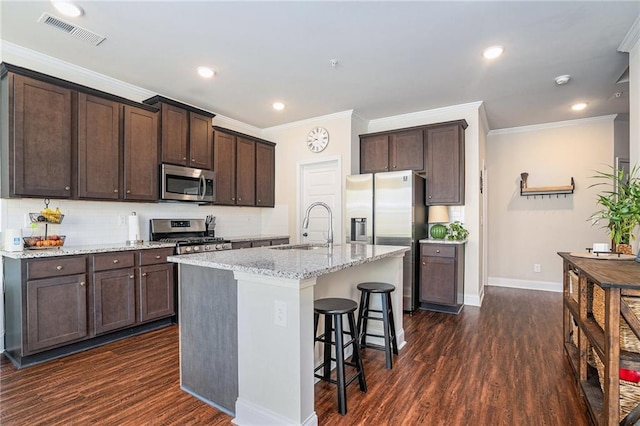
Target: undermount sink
[300,247]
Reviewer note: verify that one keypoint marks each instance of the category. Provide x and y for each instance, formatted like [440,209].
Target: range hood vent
[71,29]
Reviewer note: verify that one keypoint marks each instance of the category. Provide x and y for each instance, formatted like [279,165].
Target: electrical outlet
[536,267]
[122,220]
[280,313]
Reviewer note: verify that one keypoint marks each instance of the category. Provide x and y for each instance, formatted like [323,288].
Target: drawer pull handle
[424,263]
[437,251]
[66,188]
[59,267]
[144,274]
[115,190]
[81,283]
[131,276]
[115,261]
[158,257]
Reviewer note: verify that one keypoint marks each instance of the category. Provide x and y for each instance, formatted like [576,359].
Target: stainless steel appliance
[388,209]
[189,235]
[179,183]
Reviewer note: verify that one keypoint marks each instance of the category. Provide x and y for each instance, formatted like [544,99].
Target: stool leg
[392,325]
[315,324]
[342,389]
[357,359]
[326,372]
[365,318]
[361,313]
[385,326]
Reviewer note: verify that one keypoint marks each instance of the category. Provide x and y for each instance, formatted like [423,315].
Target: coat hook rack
[527,191]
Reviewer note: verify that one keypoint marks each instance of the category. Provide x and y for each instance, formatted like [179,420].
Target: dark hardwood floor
[501,364]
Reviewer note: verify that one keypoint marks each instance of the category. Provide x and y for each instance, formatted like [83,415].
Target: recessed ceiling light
[205,72]
[493,52]
[579,107]
[67,8]
[278,106]
[562,79]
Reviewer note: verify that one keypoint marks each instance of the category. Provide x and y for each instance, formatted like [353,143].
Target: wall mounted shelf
[547,190]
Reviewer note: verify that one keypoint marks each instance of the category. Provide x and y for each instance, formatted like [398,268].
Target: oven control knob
[196,248]
[218,246]
[207,248]
[187,249]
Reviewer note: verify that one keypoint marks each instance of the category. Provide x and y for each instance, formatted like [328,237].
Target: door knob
[305,235]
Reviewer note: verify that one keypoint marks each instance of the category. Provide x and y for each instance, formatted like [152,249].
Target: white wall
[526,231]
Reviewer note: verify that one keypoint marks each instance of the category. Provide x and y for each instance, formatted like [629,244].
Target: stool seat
[384,315]
[333,309]
[375,287]
[334,306]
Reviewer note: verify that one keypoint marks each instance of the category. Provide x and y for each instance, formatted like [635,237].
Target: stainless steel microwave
[179,183]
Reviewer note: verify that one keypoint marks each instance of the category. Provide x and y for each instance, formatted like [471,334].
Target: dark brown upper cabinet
[244,166]
[434,151]
[185,134]
[36,138]
[140,146]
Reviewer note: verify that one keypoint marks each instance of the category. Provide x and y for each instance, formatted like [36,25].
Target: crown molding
[311,121]
[632,37]
[556,124]
[381,124]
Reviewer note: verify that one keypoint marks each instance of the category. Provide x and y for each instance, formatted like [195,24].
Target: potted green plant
[620,206]
[456,231]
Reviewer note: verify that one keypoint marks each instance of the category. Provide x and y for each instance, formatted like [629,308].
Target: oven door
[187,184]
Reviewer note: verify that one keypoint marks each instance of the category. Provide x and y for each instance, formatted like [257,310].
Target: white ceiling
[393,57]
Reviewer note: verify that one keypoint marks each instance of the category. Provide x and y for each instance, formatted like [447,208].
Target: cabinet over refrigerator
[388,209]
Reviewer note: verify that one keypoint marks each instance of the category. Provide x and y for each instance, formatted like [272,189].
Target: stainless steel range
[189,235]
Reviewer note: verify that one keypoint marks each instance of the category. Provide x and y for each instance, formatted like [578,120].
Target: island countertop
[291,263]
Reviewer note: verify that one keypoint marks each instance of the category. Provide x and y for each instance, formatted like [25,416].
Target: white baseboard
[525,284]
[248,413]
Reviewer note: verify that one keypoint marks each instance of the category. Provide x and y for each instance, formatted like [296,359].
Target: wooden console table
[617,278]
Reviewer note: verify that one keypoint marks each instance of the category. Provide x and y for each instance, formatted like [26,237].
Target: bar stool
[388,325]
[333,309]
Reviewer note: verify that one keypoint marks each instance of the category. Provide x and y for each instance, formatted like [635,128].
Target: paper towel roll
[12,239]
[134,229]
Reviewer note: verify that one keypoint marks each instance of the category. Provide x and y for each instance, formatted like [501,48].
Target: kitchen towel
[12,239]
[134,229]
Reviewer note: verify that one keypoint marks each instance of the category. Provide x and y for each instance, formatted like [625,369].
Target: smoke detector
[562,79]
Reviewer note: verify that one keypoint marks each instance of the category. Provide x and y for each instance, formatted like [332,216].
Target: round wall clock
[318,139]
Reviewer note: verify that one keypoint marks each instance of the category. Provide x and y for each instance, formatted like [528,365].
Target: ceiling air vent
[71,29]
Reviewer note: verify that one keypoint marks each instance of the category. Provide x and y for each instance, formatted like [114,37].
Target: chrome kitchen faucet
[305,221]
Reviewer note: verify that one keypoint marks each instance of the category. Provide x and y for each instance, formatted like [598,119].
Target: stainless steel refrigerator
[388,208]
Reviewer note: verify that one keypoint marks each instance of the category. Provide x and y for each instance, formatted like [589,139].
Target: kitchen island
[246,323]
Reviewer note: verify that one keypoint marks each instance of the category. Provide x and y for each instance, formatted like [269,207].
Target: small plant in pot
[456,231]
[620,206]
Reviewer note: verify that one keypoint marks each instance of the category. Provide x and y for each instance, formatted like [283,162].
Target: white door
[320,181]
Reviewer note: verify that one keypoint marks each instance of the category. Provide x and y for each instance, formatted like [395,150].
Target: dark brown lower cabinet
[442,277]
[56,311]
[259,243]
[114,299]
[64,304]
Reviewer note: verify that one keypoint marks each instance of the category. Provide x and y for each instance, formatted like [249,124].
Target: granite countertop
[257,237]
[432,241]
[294,264]
[77,250]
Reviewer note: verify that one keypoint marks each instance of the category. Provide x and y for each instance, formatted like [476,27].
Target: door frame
[337,216]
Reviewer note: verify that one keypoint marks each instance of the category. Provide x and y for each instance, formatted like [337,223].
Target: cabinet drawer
[438,250]
[279,241]
[56,267]
[116,260]
[152,257]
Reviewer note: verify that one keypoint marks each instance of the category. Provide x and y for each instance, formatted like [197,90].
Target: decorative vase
[438,231]
[624,248]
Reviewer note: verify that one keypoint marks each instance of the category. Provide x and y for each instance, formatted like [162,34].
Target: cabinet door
[40,150]
[407,150]
[245,172]
[156,292]
[224,164]
[265,175]
[98,148]
[374,154]
[175,134]
[56,312]
[114,299]
[445,170]
[437,280]
[140,154]
[200,142]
